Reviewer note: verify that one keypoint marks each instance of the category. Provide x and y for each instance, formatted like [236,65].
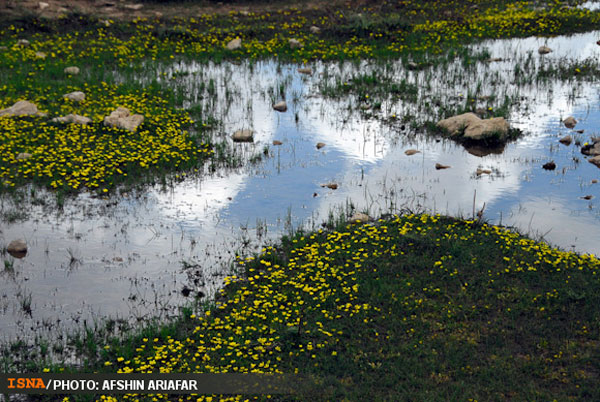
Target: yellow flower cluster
[93,156]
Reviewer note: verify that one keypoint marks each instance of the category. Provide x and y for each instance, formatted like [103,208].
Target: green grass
[415,307]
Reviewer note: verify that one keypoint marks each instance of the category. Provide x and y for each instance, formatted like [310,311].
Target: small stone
[23,156]
[43,5]
[570,122]
[315,30]
[23,42]
[305,70]
[295,43]
[412,65]
[243,136]
[544,50]
[40,55]
[580,131]
[410,152]
[494,59]
[276,142]
[320,145]
[439,166]
[594,181]
[280,106]
[134,7]
[73,118]
[549,166]
[587,197]
[332,186]
[595,160]
[76,96]
[566,140]
[17,248]
[359,217]
[71,70]
[483,171]
[234,44]
[158,14]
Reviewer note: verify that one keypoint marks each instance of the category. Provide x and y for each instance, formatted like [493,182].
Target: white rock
[23,42]
[73,118]
[72,70]
[314,29]
[43,5]
[40,55]
[23,156]
[121,118]
[234,44]
[359,217]
[21,108]
[134,7]
[76,96]
[295,43]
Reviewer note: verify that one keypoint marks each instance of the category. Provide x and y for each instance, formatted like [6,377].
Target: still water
[122,257]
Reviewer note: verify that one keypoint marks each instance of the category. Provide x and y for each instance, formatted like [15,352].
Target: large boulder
[121,118]
[455,125]
[474,128]
[488,128]
[21,108]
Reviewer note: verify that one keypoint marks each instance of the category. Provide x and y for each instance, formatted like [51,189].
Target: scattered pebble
[410,152]
[439,166]
[549,166]
[280,106]
[276,142]
[320,145]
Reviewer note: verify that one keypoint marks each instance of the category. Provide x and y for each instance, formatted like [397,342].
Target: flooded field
[140,254]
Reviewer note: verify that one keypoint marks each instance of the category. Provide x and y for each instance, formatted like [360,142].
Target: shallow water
[122,257]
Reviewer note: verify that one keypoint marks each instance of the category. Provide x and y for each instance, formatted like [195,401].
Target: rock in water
[17,248]
[280,106]
[121,118]
[332,186]
[566,140]
[595,160]
[276,142]
[305,70]
[410,152]
[439,166]
[243,136]
[549,166]
[544,50]
[320,145]
[570,122]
